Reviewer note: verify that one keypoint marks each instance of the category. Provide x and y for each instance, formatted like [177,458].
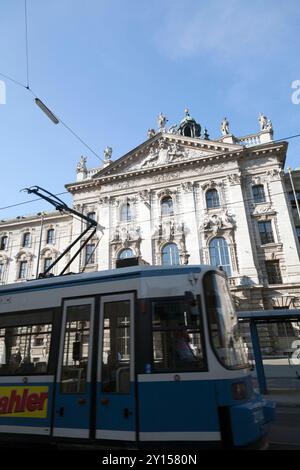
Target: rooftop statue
[225,127]
[161,121]
[107,156]
[262,121]
[151,133]
[107,153]
[81,165]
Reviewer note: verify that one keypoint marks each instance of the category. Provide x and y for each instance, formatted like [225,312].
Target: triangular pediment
[163,150]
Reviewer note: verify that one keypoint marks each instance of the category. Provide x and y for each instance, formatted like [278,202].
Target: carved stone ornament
[275,174]
[234,178]
[104,200]
[126,237]
[211,184]
[145,196]
[164,154]
[126,234]
[263,209]
[170,231]
[216,223]
[187,186]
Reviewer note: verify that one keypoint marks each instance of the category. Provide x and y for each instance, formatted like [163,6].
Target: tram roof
[128,272]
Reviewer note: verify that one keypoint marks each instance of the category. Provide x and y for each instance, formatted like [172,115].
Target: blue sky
[108,67]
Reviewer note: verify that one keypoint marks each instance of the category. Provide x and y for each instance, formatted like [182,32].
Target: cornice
[237,153]
[92,183]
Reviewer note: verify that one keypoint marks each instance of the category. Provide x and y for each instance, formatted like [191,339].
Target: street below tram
[285,432]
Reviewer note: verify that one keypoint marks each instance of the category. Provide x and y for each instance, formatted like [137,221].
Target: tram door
[73,389]
[116,415]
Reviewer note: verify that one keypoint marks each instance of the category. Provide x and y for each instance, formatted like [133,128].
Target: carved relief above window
[275,174]
[125,238]
[234,178]
[217,223]
[263,211]
[167,232]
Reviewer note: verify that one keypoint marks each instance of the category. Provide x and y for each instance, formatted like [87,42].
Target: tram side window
[25,342]
[76,349]
[177,341]
[116,347]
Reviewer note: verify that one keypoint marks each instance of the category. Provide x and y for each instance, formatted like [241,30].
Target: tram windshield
[226,340]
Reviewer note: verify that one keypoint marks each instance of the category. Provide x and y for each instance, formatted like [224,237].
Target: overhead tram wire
[48,112]
[26,43]
[146,220]
[38,101]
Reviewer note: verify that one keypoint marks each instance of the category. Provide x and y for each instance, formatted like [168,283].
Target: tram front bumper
[250,421]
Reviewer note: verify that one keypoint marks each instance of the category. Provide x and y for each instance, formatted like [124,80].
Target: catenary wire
[250,199]
[109,227]
[26,43]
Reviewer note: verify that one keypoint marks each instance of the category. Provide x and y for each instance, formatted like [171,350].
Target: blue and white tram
[135,356]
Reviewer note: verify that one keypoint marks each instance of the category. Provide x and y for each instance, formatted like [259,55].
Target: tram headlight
[239,391]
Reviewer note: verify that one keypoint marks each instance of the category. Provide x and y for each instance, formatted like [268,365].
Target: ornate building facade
[179,198]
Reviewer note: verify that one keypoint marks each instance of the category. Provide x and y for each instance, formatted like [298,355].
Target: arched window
[258,193]
[212,199]
[219,254]
[4,242]
[126,213]
[26,240]
[127,253]
[170,255]
[166,206]
[50,236]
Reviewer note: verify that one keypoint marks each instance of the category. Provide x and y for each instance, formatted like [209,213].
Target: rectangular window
[92,215]
[23,270]
[47,263]
[286,329]
[76,349]
[292,198]
[1,270]
[4,243]
[266,232]
[177,342]
[273,272]
[298,233]
[25,343]
[258,193]
[26,240]
[116,347]
[50,236]
[90,254]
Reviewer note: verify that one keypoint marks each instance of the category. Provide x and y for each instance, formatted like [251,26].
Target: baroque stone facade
[179,197]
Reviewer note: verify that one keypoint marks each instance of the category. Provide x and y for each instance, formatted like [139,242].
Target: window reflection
[116,347]
[25,344]
[176,337]
[76,349]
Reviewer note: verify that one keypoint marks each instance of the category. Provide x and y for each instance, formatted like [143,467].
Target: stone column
[245,256]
